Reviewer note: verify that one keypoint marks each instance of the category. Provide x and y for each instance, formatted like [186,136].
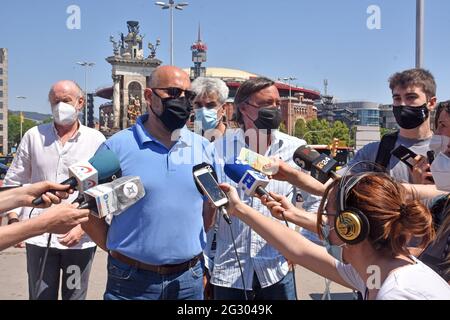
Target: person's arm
[58,219]
[24,196]
[423,191]
[280,206]
[293,246]
[97,230]
[284,172]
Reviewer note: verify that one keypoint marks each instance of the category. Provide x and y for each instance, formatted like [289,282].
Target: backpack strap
[385,147]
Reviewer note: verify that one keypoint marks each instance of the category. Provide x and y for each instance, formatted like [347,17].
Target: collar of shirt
[275,145]
[75,135]
[143,136]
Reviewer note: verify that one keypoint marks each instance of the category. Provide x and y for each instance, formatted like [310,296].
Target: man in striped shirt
[265,271]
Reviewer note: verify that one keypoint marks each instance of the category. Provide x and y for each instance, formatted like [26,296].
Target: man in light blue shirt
[156,245]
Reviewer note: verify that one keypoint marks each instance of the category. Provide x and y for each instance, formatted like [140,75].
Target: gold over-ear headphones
[351,224]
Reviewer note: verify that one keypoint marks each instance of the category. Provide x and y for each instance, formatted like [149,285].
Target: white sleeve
[20,170]
[349,275]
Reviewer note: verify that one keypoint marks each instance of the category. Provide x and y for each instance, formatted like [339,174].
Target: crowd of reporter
[394,219]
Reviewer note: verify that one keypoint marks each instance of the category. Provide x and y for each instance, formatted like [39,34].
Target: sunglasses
[175,93]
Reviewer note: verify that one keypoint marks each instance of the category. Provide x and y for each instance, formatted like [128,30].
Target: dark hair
[246,89]
[382,201]
[414,77]
[444,105]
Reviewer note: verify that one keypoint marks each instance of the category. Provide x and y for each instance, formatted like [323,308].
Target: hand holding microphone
[321,166]
[279,206]
[102,167]
[250,181]
[30,192]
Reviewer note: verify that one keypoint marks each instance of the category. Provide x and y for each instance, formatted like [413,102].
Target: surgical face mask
[439,143]
[64,114]
[440,169]
[207,117]
[333,250]
[408,117]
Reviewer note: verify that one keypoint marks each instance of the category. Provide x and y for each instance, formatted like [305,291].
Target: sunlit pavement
[13,279]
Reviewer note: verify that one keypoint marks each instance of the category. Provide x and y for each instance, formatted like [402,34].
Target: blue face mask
[332,249]
[208,118]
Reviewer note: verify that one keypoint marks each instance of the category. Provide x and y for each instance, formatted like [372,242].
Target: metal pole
[20,120]
[290,109]
[171,34]
[85,95]
[420,17]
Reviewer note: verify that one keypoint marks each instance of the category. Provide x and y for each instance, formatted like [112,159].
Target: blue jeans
[282,290]
[129,283]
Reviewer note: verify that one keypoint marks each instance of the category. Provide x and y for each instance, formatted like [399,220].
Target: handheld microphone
[113,197]
[250,181]
[102,167]
[321,166]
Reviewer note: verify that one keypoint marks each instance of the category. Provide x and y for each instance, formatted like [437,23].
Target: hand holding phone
[204,176]
[405,155]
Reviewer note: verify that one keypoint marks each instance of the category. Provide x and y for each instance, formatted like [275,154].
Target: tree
[384,131]
[322,132]
[48,120]
[300,128]
[282,128]
[14,128]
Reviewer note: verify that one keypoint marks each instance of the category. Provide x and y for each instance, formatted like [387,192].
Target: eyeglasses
[175,93]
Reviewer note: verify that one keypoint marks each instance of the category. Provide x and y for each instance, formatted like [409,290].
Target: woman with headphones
[366,221]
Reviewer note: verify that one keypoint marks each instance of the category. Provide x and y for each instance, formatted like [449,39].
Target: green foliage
[384,131]
[282,128]
[322,132]
[48,120]
[14,128]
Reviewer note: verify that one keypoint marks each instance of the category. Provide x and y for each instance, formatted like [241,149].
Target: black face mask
[176,113]
[409,117]
[268,118]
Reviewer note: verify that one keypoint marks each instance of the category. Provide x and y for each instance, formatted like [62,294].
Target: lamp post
[21,116]
[420,17]
[171,5]
[289,79]
[85,65]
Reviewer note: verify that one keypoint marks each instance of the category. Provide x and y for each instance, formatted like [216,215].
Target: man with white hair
[45,153]
[209,106]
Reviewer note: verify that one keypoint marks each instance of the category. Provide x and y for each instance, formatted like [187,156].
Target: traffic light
[90,110]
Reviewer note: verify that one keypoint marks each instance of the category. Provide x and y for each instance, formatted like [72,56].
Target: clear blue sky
[310,40]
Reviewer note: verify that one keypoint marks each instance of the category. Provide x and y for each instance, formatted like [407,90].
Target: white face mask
[440,169]
[439,143]
[64,114]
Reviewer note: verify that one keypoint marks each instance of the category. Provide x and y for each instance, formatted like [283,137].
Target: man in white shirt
[45,153]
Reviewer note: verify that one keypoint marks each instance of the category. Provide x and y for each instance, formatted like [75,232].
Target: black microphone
[102,167]
[321,166]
